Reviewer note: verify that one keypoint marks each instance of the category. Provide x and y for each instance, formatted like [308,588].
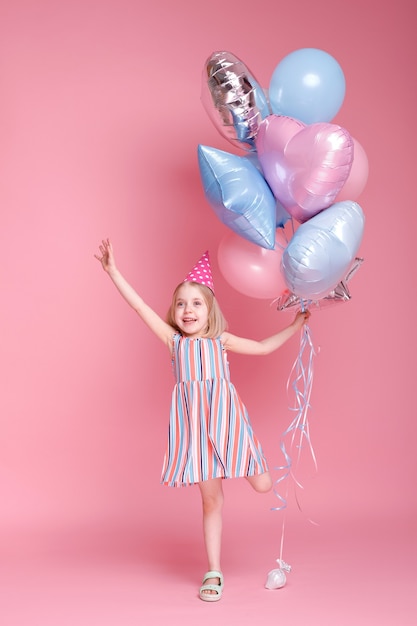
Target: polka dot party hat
[201,272]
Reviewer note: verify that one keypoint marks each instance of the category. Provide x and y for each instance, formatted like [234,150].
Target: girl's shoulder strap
[176,337]
[174,345]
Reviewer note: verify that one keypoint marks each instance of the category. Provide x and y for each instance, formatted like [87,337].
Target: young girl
[210,435]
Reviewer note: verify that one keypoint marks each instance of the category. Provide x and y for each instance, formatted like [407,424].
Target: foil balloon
[323,250]
[239,195]
[307,84]
[233,99]
[358,176]
[305,166]
[252,270]
[341,293]
[282,215]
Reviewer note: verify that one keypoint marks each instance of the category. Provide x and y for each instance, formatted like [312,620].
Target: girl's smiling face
[191,311]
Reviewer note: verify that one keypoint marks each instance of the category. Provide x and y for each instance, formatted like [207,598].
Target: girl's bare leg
[212,500]
[262,483]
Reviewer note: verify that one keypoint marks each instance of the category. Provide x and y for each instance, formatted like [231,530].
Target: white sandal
[218,589]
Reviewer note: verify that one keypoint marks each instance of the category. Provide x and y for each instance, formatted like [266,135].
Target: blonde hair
[216,322]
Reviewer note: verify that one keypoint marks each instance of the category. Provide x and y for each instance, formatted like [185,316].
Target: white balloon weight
[276,579]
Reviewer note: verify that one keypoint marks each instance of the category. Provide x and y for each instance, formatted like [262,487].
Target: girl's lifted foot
[212,588]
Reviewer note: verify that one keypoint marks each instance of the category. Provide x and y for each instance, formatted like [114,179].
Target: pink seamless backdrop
[100,122]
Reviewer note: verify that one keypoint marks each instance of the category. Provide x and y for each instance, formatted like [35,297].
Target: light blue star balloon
[239,195]
[322,250]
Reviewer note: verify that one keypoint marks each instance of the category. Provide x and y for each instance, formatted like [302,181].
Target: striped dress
[210,435]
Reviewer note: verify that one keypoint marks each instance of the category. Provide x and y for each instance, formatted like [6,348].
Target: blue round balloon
[309,85]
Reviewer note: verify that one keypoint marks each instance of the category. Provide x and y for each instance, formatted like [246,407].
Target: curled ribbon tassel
[300,381]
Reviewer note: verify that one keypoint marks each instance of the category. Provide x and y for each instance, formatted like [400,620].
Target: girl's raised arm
[268,345]
[157,325]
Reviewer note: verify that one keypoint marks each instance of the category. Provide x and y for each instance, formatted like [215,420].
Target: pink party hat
[201,272]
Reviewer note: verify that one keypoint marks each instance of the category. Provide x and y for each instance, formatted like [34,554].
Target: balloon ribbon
[300,381]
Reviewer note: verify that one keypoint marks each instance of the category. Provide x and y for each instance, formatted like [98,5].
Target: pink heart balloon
[305,166]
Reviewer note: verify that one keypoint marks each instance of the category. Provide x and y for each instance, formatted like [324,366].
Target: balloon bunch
[299,169]
[289,202]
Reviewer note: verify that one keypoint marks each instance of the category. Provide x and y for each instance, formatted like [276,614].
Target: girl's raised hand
[301,318]
[106,256]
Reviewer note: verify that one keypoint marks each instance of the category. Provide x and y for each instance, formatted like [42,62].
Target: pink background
[100,121]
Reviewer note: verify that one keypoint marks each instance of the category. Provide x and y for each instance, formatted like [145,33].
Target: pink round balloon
[358,175]
[251,269]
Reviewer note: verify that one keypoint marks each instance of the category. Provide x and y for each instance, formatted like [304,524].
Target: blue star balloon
[239,195]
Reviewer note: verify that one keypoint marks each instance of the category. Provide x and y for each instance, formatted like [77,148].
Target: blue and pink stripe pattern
[210,435]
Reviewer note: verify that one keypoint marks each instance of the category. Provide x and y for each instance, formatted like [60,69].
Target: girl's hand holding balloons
[301,319]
